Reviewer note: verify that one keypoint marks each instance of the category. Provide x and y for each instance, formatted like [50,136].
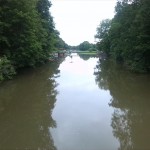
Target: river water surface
[76,104]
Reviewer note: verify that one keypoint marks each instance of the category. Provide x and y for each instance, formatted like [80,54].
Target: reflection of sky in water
[81,111]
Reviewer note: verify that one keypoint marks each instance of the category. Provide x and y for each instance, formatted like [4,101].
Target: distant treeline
[126,37]
[27,35]
[84,46]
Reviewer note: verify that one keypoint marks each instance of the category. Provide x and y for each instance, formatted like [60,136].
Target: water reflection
[26,104]
[86,57]
[131,103]
[60,107]
[82,113]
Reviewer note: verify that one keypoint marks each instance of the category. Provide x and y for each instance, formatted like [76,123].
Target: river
[78,103]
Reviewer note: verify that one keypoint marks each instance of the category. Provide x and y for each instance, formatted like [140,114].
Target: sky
[77,20]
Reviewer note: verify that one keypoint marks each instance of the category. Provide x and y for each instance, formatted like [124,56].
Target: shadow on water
[131,103]
[26,104]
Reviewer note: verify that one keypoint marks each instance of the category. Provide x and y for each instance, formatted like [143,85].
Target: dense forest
[27,35]
[126,38]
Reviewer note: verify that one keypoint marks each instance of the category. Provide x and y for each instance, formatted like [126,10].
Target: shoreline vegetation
[30,38]
[27,35]
[126,37]
[87,52]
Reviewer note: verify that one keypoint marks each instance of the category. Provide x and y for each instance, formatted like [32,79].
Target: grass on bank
[87,52]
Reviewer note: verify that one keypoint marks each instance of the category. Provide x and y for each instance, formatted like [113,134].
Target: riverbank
[8,70]
[87,52]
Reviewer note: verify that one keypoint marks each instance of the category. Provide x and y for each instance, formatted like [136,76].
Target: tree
[103,36]
[84,46]
[21,45]
[127,37]
[103,29]
[29,37]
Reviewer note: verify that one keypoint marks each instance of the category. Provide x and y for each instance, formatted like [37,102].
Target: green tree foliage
[102,30]
[27,32]
[7,71]
[103,35]
[84,46]
[20,32]
[128,37]
[48,34]
[60,43]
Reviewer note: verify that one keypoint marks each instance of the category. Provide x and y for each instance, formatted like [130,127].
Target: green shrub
[7,70]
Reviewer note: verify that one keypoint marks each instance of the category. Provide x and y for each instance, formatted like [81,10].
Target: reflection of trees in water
[101,76]
[86,56]
[131,103]
[26,106]
[121,129]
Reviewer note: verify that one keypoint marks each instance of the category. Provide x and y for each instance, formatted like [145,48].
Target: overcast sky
[77,20]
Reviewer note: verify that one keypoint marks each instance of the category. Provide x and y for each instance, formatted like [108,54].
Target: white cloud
[77,20]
